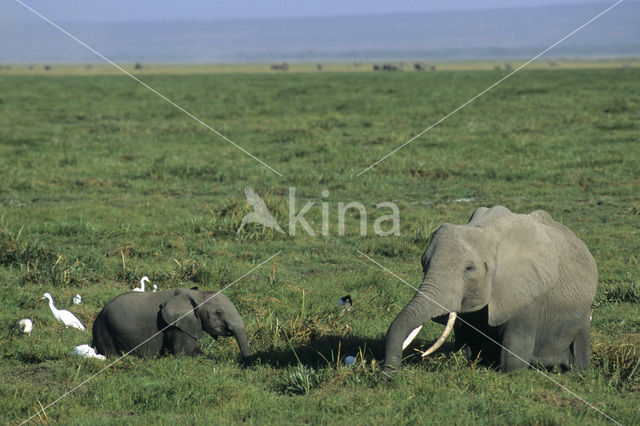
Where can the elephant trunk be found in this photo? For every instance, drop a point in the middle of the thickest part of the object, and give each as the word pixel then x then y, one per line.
pixel 240 333
pixel 417 312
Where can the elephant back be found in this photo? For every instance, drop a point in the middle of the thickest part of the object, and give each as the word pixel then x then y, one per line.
pixel 577 266
pixel 484 216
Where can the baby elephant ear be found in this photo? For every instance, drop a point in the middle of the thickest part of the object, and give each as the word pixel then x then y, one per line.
pixel 180 312
pixel 527 267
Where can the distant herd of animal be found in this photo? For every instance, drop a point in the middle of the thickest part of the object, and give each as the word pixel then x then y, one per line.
pixel 418 66
pixel 516 290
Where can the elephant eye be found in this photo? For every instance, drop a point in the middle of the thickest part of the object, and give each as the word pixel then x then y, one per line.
pixel 219 313
pixel 469 268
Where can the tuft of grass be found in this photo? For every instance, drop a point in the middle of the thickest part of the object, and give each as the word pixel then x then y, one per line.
pixel 38 264
pixel 619 292
pixel 620 361
pixel 300 380
pixel 15 252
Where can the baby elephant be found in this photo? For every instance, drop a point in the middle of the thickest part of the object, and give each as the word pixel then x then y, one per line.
pixel 150 323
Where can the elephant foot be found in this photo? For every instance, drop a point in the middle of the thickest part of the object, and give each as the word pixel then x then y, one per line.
pixel 248 361
pixel 389 373
pixel 465 351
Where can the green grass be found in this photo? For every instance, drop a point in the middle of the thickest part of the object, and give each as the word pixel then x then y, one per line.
pixel 103 182
pixel 305 67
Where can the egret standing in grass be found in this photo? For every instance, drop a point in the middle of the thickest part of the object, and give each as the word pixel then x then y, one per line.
pixel 155 288
pixel 66 317
pixel 77 299
pixel 142 281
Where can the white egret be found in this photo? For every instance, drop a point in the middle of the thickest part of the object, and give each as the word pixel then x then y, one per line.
pixel 141 288
pixel 77 299
pixel 86 351
pixel 66 317
pixel 24 326
pixel 155 288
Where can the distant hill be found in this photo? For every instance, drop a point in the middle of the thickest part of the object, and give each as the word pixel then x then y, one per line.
pixel 467 35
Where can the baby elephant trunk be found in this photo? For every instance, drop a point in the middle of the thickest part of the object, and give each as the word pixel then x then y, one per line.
pixel 239 331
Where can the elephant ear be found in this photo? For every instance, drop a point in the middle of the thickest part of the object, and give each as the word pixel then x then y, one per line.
pixel 526 268
pixel 180 311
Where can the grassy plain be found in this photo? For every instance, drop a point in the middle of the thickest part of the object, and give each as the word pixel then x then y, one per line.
pixel 304 67
pixel 103 182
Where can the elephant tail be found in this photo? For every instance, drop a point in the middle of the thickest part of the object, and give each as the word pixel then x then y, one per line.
pixel 102 338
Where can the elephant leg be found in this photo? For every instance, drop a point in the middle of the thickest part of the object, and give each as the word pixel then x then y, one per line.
pixel 461 339
pixel 178 342
pixel 461 335
pixel 581 348
pixel 518 343
pixel 464 339
pixel 471 331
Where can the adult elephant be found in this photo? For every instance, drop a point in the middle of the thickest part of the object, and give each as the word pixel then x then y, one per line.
pixel 150 323
pixel 525 281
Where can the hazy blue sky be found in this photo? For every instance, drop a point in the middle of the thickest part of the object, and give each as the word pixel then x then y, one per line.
pixel 153 10
pixel 325 30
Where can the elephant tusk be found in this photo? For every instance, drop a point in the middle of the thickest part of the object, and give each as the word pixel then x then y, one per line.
pixel 445 334
pixel 410 337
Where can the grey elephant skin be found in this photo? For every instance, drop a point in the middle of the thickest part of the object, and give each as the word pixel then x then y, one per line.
pixel 166 321
pixel 526 281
